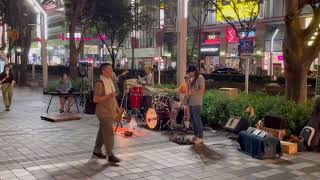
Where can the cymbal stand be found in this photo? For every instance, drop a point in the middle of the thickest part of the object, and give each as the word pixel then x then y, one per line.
pixel 124 99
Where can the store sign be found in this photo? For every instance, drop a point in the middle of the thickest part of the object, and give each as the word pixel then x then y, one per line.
pixel 212 38
pixel 227 8
pixel 231 35
pixel 246 47
pixel 213 50
pixel 280 58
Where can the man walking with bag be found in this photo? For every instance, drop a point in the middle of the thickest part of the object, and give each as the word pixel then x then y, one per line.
pixel 106 110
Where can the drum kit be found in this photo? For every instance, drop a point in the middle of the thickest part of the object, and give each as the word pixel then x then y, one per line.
pixel 164 108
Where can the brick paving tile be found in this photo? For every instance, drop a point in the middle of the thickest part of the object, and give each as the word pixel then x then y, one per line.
pixel 31 148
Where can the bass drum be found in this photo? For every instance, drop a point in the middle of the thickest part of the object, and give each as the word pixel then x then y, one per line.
pixel 151 118
pixel 157 117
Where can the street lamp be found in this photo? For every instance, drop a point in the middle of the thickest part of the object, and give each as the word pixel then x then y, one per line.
pixel 271 52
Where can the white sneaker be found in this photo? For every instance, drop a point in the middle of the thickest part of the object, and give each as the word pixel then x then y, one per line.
pixel 198 141
pixel 193 138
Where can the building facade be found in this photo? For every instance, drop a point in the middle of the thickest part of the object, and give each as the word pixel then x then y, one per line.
pixel 219 45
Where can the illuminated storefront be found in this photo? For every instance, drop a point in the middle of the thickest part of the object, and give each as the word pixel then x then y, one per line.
pixel 210 51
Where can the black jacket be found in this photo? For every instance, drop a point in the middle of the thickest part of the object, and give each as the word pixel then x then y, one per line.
pixel 8 80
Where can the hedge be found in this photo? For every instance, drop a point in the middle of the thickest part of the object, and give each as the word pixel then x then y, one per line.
pixel 167 76
pixel 218 108
pixel 76 84
pixel 239 78
pixel 310 80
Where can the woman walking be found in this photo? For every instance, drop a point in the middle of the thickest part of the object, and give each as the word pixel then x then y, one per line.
pixel 196 92
pixel 7 81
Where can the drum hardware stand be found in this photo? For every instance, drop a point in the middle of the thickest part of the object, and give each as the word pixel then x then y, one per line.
pixel 124 98
pixel 167 123
pixel 135 113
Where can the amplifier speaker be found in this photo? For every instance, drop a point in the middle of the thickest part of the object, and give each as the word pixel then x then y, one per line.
pixel 275 122
pixel 236 124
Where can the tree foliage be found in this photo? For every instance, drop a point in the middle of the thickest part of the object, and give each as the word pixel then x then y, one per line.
pixel 79 14
pixel 199 10
pixel 113 19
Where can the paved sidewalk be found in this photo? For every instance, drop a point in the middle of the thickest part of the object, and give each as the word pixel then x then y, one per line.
pixel 31 148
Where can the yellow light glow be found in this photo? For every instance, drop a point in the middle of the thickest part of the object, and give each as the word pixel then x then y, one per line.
pixel 310 43
pixel 244 10
pixel 307 22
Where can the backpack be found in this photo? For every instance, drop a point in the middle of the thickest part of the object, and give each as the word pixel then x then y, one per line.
pixel 90 106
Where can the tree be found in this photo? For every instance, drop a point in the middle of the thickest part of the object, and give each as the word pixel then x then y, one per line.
pixel 79 14
pixel 301 47
pixel 113 21
pixel 141 19
pixel 199 10
pixel 20 16
pixel 242 14
pixel 3 19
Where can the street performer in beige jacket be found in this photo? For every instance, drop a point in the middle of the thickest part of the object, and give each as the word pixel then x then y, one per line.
pixel 106 110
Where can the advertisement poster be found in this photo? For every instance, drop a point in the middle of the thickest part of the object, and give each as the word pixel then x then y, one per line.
pixel 246 47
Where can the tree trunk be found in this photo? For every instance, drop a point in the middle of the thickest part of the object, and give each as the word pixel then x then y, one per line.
pixel 199 46
pixel 3 36
pixel 113 59
pixel 73 50
pixel 25 46
pixel 296 81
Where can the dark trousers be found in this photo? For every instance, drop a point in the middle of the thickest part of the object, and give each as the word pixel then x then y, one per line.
pixel 196 121
pixel 105 136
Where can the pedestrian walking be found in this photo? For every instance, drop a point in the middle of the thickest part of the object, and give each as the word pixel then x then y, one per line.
pixel 195 101
pixel 7 80
pixel 106 110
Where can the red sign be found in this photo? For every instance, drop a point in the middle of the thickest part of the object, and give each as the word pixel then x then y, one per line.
pixel 212 38
pixel 231 35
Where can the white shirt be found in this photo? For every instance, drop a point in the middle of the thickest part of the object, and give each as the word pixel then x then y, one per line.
pixel 108 85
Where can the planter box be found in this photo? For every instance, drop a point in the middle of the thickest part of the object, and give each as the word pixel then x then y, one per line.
pixel 289 148
pixel 231 92
pixel 274 132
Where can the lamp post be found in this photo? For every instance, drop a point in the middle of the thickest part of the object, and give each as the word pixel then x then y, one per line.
pixel 44 35
pixel 271 52
pixel 182 22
